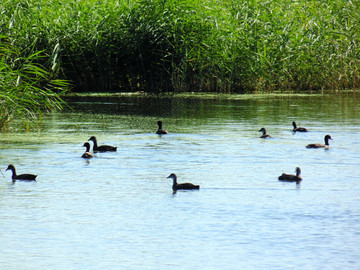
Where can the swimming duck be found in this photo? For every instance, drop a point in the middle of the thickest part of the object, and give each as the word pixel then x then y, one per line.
pixel 320 145
pixel 160 130
pixel 298 129
pixel 101 148
pixel 177 186
pixel 290 177
pixel 23 177
pixel 87 153
pixel 263 130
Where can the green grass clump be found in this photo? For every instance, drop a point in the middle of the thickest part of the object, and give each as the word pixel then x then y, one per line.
pixel 181 45
pixel 26 88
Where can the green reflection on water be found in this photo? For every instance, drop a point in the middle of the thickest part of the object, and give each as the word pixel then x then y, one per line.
pixel 134 115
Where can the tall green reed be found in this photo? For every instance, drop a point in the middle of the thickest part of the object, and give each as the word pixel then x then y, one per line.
pixel 26 87
pixel 183 45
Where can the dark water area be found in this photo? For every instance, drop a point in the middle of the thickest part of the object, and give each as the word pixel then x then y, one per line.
pixel 118 211
pixel 247 107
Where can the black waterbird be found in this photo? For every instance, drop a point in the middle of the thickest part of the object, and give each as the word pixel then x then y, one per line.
pixel 23 177
pixel 87 153
pixel 290 177
pixel 177 186
pixel 320 145
pixel 101 148
pixel 298 129
pixel 160 130
pixel 263 130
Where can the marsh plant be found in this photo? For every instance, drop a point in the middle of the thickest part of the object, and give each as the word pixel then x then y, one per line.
pixel 26 87
pixel 182 45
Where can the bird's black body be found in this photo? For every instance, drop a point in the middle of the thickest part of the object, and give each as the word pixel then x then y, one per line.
pixel 160 130
pixel 186 186
pixel 290 177
pixel 320 145
pixel 22 177
pixel 87 153
pixel 263 130
pixel 298 129
pixel 101 148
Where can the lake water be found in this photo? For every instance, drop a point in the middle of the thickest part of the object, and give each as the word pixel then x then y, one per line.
pixel 118 211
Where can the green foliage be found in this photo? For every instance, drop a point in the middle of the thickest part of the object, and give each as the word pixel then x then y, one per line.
pixel 26 88
pixel 182 45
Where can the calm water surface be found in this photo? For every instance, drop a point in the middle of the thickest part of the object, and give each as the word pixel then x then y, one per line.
pixel 117 211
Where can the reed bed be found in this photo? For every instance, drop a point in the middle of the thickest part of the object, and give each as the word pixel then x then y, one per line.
pixel 182 45
pixel 27 89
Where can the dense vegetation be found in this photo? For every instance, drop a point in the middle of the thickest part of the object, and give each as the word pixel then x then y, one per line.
pixel 26 87
pixel 185 45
